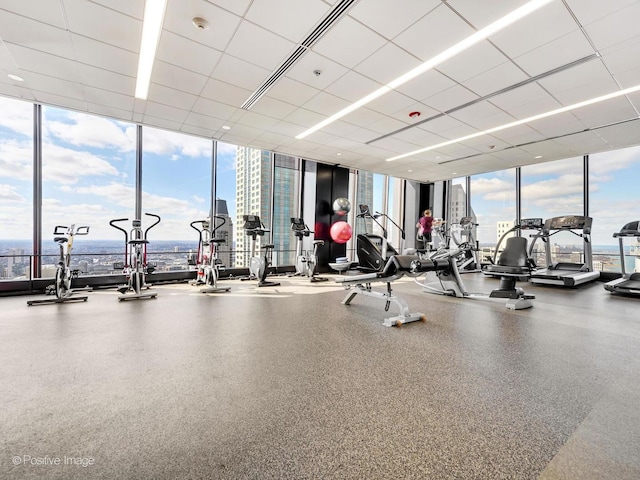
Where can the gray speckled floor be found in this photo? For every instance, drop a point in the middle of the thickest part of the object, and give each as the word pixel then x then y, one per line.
pixel 287 383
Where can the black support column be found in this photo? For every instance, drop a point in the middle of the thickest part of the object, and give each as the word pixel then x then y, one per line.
pixel 331 182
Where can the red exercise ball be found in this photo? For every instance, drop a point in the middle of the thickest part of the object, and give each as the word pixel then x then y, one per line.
pixel 341 232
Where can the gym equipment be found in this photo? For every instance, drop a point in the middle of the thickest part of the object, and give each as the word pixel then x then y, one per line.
pixel 306 265
pixel 207 263
pixel 341 206
pixel 525 224
pixel 373 250
pixel 258 265
pixel 628 283
pixel 341 232
pixel 396 267
pixel 566 274
pixel 468 263
pixel 135 267
pixel 63 236
pixel 513 263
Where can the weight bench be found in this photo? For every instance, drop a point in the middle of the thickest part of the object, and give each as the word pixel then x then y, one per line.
pixel 396 267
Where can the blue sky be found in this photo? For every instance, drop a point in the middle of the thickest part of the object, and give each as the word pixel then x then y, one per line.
pixel 89 176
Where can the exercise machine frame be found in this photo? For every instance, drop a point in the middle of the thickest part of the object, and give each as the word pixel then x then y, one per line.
pixel 207 266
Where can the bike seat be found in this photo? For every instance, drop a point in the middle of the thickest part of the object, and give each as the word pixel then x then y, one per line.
pixel 217 240
pixel 60 239
pixel 138 242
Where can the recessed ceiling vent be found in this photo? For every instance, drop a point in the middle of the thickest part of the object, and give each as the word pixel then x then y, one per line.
pixel 325 24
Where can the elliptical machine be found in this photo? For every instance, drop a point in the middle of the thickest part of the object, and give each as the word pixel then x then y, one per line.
pixel 258 265
pixel 306 265
pixel 135 267
pixel 207 263
pixel 373 250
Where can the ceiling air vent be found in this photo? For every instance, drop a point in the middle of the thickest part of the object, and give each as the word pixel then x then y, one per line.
pixel 325 24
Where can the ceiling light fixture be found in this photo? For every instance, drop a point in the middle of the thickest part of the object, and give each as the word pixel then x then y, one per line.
pixel 459 47
pixel 551 113
pixel 15 77
pixel 151 28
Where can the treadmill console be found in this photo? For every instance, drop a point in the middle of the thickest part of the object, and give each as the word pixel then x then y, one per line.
pixel 251 223
pixel 631 229
pixel 298 225
pixel 569 222
pixel 466 221
pixel 531 223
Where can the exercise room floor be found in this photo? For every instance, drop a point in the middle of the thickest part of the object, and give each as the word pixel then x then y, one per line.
pixel 288 383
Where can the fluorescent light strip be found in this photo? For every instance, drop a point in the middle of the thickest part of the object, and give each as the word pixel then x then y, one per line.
pixel 520 122
pixel 151 28
pixel 433 62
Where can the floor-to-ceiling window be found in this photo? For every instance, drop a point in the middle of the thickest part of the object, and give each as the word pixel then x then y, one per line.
pixel 493 201
pixel 176 185
pixel 554 189
pixel 226 200
pixel 286 204
pixel 16 188
pixel 614 196
pixel 88 178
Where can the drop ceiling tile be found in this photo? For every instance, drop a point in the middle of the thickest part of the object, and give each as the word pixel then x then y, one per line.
pixel 616 27
pixel 200 59
pixel 222 22
pixel 252 119
pixel 616 58
pixel 612 111
pixel 560 124
pixel 386 18
pixel 387 64
pixel 22 31
pixel 103 24
pixel 104 97
pixel 546 24
pixel 472 62
pixel 223 92
pixel 273 108
pixel 450 98
pixel 198 131
pixel 16 91
pixel 482 116
pixel 622 135
pixel 325 104
pixel 583 82
pixel 105 79
pixel 518 135
pixel 304 118
pixel 525 101
pixel 290 130
pixel 240 73
pixel 341 129
pixel 418 136
pixel 353 87
pixel 215 109
pixel 424 111
pixel 46 12
pixel 178 79
pixel 588 11
pixel 448 127
pixel 391 103
pixel 426 85
pixel 348 42
pixel 433 33
pixel 133 8
pixel 303 70
pixel 258 46
pixel 169 96
pixel 502 76
pixel 374 121
pixel 105 56
pixel 556 53
pixel 109 111
pixel 203 121
pixel 290 91
pixel 60 100
pixel 362 135
pixel 44 63
pixel 158 110
pixel 43 83
pixel 276 15
pixel 582 143
pixel 162 123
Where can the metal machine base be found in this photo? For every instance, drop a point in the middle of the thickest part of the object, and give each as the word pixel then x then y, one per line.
pixel 50 301
pixel 137 296
pixel 404 317
pixel 215 289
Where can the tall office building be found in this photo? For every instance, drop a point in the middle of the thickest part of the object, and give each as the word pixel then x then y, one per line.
pixel 225 230
pixel 253 187
pixel 286 180
pixel 364 196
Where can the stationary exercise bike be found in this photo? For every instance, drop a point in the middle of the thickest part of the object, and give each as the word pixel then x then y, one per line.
pixel 306 265
pixel 63 236
pixel 207 258
pixel 258 265
pixel 135 267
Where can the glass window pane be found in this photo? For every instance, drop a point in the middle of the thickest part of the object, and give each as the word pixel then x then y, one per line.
pixel 88 178
pixel 286 204
pixel 16 188
pixel 176 184
pixel 554 189
pixel 613 202
pixel 226 201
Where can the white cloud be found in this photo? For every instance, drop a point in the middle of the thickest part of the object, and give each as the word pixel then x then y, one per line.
pixel 63 165
pixel 16 160
pixel 17 116
pixel 90 131
pixel 197 199
pixel 227 149
pixel 8 193
pixel 164 142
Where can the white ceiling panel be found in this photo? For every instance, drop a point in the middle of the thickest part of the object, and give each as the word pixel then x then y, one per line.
pixel 502 76
pixel 133 8
pixel 41 62
pixel 238 72
pixel 169 96
pixel 104 97
pixel 560 124
pixel 44 83
pixel 214 109
pixel 34 34
pixel 426 85
pixel 518 135
pixel 73 103
pixel 623 135
pixel 158 110
pixel 109 111
pixel 204 122
pixel 187 54
pixel 291 91
pixel 434 33
pixel 222 23
pixel 162 123
pixel 325 104
pixel 387 64
pixel 450 98
pixel 106 80
pixel 586 81
pixel 269 14
pixel 349 43
pixel 103 24
pixel 616 27
pixel 304 70
pixel 472 62
pixel 556 53
pixel 252 119
pixel 177 78
pixel 259 46
pixel 385 125
pixel 612 111
pixel 194 130
pixel 423 110
pixel 223 92
pixel 239 7
pixel 616 59
pixel 353 87
pixel 482 116
pixel 273 108
pixel 46 12
pixel 392 103
pixel 13 89
pixel 107 57
pixel 418 136
pixel 448 127
pixel 389 20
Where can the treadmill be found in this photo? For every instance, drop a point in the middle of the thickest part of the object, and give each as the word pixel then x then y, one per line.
pixel 628 283
pixel 566 274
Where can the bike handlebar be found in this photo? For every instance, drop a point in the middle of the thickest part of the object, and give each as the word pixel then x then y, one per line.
pixel 157 217
pixel 84 230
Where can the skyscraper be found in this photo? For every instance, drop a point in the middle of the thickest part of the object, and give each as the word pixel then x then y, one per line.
pixel 225 230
